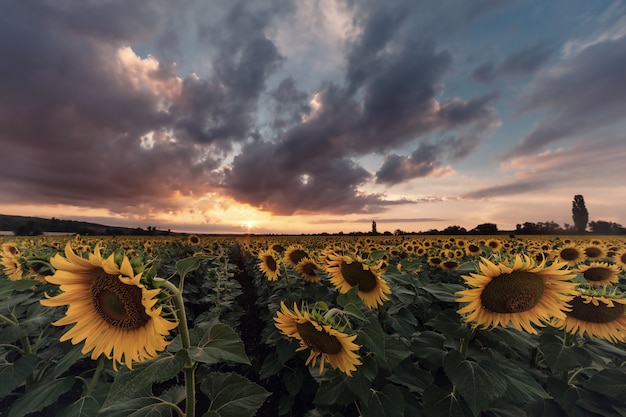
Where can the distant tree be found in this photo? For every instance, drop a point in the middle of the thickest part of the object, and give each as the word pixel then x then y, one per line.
pixel 374 231
pixel 454 230
pixel 528 228
pixel 602 227
pixel 30 228
pixel 580 213
pixel 549 227
pixel 485 229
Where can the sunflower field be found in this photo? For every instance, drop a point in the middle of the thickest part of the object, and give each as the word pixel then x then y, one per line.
pixel 341 326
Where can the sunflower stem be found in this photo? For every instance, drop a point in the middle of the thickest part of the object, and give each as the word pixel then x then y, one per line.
pixel 287 278
pixel 27 347
pixel 7 320
pixel 95 377
pixel 465 343
pixel 576 372
pixel 185 340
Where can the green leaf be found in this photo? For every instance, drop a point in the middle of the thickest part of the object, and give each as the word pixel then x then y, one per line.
pixel 220 344
pixel 439 403
pixel 443 291
pixel 360 386
pixel 402 320
pixel 522 388
pixel 233 395
pixel 128 383
pixel 412 378
pixel 334 391
pixel 8 287
pixel 386 403
pixel 609 382
pixel 479 383
pixel 185 266
pixel 293 380
pixel 43 395
pixel 470 266
pixel 137 407
pixel 559 357
pixel 395 351
pixel 12 333
pixel 271 366
pixel 68 359
pixel 372 336
pixel 14 375
pixel 449 323
pixel 352 303
pixel 428 346
pixel 83 407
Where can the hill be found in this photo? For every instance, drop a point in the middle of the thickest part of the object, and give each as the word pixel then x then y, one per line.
pixel 31 226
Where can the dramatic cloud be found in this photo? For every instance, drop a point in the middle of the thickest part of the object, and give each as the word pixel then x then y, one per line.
pixel 388 101
pixel 293 107
pixel 520 63
pixel 585 94
pixel 101 125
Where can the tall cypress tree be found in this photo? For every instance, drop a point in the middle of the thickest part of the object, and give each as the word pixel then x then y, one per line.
pixel 579 213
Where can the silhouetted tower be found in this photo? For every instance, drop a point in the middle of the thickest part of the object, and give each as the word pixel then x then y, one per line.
pixel 374 227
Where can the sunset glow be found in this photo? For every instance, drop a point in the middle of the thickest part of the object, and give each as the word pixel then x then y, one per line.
pixel 310 117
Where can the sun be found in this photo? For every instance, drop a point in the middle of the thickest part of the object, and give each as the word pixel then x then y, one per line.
pixel 249 225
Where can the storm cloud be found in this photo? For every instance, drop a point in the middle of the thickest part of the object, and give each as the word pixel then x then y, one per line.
pixel 129 106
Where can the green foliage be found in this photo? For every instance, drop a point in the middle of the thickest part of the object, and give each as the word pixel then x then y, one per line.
pixel 418 357
pixel 232 395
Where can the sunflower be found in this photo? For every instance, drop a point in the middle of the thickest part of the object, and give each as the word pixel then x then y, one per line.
pixel 594 252
pixel 346 273
pixel 193 239
pixel 278 248
pixel 449 264
pixel 570 254
pixel 294 254
pixel 524 293
pixel 12 266
pixel 597 316
pixel 494 244
pixel 114 312
pixel 269 264
pixel 306 267
pixel 620 258
pixel 434 261
pixel 10 248
pixel 323 338
pixel 472 249
pixel 599 273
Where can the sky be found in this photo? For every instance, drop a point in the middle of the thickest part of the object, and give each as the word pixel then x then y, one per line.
pixel 309 116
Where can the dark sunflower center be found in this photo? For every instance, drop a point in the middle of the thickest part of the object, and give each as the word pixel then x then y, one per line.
pixel 590 313
pixel 318 340
pixel 355 274
pixel 570 254
pixel 450 264
pixel 513 293
pixel 278 248
pixel 297 255
pixel 271 263
pixel 597 274
pixel 622 258
pixel 117 303
pixel 309 268
pixel 435 261
pixel 592 252
pixel 473 248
